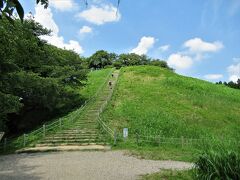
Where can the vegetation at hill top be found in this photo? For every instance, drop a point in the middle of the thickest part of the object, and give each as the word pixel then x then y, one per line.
pixel 231 84
pixel 155 101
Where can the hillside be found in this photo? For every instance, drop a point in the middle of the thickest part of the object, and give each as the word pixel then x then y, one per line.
pixel 155 101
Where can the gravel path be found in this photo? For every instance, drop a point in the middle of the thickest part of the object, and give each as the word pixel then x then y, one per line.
pixel 110 165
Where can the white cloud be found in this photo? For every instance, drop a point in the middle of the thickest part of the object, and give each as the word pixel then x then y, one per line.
pixel 197 45
pixel 234 72
pixel 179 61
pixel 144 45
pixel 45 17
pixel 164 48
pixel 100 15
pixel 234 78
pixel 213 76
pixel 85 30
pixel 62 5
pixel 236 59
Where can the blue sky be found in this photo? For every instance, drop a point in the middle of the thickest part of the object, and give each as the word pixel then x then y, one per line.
pixel 199 38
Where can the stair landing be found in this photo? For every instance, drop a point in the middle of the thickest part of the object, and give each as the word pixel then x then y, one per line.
pixel 93 147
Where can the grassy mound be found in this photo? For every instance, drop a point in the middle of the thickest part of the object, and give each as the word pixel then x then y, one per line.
pixel 156 101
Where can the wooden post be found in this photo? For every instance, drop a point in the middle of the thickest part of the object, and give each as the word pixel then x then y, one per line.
pixel 5 144
pixel 24 140
pixel 137 138
pixel 182 138
pixel 115 137
pixel 44 130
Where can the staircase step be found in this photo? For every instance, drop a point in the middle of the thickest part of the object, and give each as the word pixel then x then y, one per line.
pixel 79 130
pixel 90 131
pixel 93 110
pixel 87 126
pixel 70 141
pixel 83 131
pixel 70 144
pixel 86 122
pixel 73 137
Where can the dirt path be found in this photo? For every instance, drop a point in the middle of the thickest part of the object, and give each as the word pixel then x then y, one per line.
pixel 110 165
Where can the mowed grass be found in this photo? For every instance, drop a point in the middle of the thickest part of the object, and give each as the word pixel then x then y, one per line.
pixel 157 102
pixel 169 175
pixel 94 81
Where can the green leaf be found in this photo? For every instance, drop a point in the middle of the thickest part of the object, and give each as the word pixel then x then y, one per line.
pixel 9 18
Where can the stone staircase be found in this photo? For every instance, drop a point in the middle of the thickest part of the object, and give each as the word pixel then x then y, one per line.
pixel 85 131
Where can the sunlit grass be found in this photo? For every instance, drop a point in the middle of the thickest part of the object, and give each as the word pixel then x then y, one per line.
pixel 170 175
pixel 153 101
pixel 95 80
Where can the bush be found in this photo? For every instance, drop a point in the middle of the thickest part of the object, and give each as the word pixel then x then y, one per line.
pixel 221 164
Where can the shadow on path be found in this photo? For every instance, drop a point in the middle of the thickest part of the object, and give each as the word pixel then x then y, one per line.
pixel 14 167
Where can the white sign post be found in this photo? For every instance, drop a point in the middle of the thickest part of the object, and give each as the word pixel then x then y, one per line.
pixel 125 133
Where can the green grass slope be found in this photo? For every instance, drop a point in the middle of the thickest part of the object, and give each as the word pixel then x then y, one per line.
pixel 94 81
pixel 156 101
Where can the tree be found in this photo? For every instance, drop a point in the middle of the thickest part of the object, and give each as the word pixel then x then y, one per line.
pixel 38 81
pixel 100 59
pixel 231 84
pixel 7 8
pixel 157 62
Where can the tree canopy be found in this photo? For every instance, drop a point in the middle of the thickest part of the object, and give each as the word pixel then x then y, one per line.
pixel 7 8
pixel 102 59
pixel 231 84
pixel 37 80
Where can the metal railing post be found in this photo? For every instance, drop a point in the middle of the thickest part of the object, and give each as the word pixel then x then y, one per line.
pixel 24 140
pixel 60 124
pixel 44 130
pixel 5 144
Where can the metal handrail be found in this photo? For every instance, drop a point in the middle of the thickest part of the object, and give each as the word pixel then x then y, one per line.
pixel 100 121
pixel 57 122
